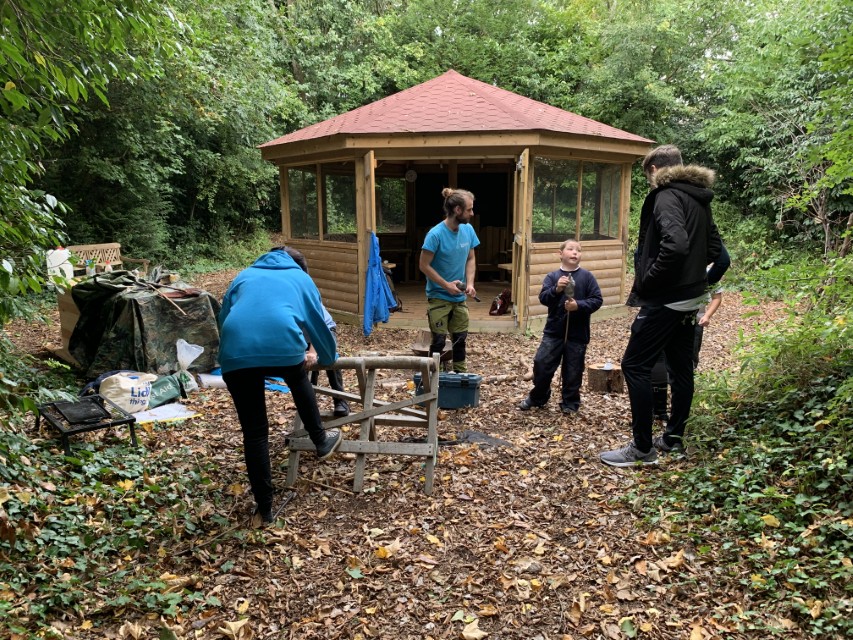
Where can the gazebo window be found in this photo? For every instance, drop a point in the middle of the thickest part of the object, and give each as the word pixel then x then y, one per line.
pixel 575 199
pixel 339 213
pixel 555 199
pixel 390 205
pixel 302 198
pixel 600 199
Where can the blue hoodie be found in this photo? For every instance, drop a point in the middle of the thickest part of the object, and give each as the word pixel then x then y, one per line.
pixel 269 314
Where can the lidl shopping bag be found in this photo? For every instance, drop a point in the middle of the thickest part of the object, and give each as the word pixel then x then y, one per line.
pixel 130 390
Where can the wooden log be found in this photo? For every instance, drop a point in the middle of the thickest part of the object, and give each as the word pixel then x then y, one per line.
pixel 602 380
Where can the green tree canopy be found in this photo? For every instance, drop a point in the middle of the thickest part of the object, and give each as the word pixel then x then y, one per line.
pixel 53 55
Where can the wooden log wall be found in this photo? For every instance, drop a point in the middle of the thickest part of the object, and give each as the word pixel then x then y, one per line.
pixel 604 258
pixel 334 268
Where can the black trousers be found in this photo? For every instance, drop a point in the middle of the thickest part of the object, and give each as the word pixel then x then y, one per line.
pixel 336 378
pixel 247 389
pixel 553 352
pixel 656 330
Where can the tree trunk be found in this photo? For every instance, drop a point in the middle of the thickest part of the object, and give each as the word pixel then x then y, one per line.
pixel 602 380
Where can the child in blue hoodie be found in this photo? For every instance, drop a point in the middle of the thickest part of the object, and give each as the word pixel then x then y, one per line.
pixel 270 313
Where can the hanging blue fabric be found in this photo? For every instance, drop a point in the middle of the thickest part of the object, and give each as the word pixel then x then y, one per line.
pixel 378 297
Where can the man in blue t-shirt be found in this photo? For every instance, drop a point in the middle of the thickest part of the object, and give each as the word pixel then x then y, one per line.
pixel 448 262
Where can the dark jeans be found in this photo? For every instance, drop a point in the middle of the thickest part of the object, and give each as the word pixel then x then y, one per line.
pixel 697 344
pixel 336 379
pixel 247 390
pixel 336 382
pixel 656 330
pixel 551 352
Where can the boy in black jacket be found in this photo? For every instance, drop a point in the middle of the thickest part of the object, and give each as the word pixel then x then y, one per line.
pixel 572 295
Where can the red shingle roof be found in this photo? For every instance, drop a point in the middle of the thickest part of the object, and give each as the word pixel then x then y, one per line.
pixel 453 103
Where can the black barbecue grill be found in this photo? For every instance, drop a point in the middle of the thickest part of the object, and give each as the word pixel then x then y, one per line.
pixel 86 414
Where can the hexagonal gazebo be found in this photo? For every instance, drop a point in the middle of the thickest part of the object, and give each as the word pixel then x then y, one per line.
pixel 540 175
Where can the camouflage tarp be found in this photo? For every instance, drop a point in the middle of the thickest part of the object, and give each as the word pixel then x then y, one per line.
pixel 126 322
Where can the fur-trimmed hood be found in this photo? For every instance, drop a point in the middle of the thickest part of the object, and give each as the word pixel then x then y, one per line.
pixel 692 173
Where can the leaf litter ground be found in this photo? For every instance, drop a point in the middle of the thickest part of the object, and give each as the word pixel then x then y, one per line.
pixel 529 540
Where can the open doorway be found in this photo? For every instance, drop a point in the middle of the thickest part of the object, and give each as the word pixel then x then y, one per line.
pixel 492 214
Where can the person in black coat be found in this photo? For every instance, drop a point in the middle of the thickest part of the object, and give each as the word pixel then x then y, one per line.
pixel 677 241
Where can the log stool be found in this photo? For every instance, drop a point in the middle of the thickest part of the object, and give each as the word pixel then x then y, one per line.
pixel 603 380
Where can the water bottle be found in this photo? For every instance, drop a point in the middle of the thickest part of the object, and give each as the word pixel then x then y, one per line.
pixel 90 267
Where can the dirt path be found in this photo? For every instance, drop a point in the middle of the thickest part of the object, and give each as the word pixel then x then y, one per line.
pixel 523 541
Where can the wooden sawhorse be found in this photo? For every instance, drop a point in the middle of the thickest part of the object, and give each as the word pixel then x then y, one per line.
pixel 378 413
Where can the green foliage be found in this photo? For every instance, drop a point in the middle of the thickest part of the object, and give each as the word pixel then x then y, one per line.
pixel 225 253
pixel 771 486
pixel 343 54
pixel 53 55
pixel 767 122
pixel 172 162
pixel 650 64
pixel 837 61
pixel 81 523
pixel 763 263
pixel 26 382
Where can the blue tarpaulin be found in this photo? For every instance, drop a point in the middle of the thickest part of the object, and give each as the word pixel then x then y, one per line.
pixel 378 297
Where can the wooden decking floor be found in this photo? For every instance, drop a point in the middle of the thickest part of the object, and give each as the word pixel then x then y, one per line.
pixel 413 314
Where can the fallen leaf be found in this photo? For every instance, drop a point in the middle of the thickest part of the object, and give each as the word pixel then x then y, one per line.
pixel 575 613
pixel 472 631
pixel 627 627
pixel 674 561
pixel 232 629
pixel 389 550
pixel 816 609
pixel 770 520
pixel 131 629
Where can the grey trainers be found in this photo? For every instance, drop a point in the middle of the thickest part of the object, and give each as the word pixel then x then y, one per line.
pixel 629 456
pixel 527 405
pixel 663 447
pixel 333 439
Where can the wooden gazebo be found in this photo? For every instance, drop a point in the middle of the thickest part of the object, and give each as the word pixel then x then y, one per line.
pixel 540 175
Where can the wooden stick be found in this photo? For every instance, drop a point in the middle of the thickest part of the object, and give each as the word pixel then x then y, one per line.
pixel 327 486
